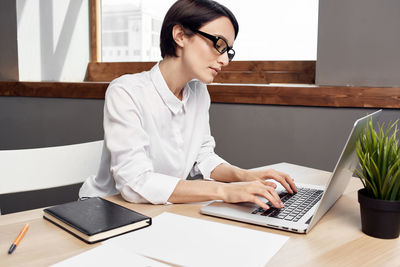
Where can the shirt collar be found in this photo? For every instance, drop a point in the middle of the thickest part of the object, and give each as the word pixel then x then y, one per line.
pixel 170 100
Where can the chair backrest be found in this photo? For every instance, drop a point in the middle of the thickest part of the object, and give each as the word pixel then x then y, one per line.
pixel 42 168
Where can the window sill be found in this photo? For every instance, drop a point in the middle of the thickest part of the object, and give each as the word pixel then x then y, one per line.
pixel 273 94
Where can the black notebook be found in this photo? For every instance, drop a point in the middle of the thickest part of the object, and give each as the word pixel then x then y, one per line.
pixel 95 219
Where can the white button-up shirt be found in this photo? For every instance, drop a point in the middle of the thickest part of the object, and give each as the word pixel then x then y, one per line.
pixel 152 139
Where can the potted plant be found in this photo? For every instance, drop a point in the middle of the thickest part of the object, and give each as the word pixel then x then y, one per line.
pixel 378 152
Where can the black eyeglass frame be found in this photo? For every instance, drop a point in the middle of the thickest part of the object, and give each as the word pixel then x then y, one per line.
pixel 215 40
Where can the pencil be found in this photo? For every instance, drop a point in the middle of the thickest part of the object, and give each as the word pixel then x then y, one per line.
pixel 18 239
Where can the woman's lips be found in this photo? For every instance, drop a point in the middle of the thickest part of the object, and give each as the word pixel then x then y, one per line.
pixel 215 70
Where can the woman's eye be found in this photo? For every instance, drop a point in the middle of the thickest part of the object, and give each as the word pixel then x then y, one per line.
pixel 221 46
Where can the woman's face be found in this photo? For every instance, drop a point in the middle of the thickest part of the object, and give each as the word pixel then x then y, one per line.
pixel 199 54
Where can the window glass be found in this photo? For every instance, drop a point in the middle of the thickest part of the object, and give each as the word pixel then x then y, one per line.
pixel 268 29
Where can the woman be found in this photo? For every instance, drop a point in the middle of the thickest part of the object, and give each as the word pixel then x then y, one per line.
pixel 157 127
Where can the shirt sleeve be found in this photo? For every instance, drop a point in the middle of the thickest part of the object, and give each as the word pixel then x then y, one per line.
pixel 207 160
pixel 128 143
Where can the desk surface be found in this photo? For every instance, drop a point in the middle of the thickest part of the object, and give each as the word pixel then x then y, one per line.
pixel 335 241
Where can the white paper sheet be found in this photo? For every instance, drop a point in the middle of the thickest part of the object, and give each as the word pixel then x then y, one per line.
pixel 108 255
pixel 188 241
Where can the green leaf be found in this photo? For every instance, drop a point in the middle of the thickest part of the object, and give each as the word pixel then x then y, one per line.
pixel 377 175
pixel 396 192
pixel 360 176
pixel 394 181
pixel 387 179
pixel 378 154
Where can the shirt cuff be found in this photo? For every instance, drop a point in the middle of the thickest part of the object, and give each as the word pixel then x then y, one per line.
pixel 156 188
pixel 209 164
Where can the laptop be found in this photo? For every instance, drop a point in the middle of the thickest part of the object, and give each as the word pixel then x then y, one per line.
pixel 306 207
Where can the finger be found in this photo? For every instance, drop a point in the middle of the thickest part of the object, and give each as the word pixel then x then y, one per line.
pixel 282 180
pixel 287 186
pixel 273 198
pixel 290 181
pixel 260 203
pixel 269 193
pixel 292 184
pixel 271 184
pixel 274 194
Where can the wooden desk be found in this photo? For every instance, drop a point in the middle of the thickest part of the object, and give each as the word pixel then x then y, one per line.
pixel 335 241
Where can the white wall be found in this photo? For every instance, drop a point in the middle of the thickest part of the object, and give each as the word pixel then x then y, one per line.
pixel 53 39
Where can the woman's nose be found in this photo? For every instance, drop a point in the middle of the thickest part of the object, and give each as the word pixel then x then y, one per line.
pixel 223 59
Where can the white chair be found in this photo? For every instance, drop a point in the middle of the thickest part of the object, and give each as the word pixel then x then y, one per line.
pixel 29 170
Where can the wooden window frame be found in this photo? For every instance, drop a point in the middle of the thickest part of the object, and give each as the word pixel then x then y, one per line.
pixel 251 82
pixel 241 72
pixel 95 30
pixel 260 74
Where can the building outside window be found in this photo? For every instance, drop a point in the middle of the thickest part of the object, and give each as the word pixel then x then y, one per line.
pixel 269 29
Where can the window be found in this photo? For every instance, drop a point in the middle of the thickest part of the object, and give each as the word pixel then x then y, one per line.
pixel 111 39
pixel 133 25
pixel 156 25
pixel 275 30
pixel 269 30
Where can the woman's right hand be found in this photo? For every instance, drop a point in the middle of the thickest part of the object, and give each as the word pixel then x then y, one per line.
pixel 249 192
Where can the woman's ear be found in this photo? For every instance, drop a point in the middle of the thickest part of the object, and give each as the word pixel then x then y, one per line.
pixel 178 34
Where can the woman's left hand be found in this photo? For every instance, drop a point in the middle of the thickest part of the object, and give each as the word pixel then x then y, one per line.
pixel 284 179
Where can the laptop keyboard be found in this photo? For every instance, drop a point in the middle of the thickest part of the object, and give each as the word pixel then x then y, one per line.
pixel 296 205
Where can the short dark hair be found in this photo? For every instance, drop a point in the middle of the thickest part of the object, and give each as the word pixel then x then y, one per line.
pixel 191 15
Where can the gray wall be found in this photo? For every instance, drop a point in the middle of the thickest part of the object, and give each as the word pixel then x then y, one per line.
pixel 246 135
pixel 255 135
pixel 8 43
pixel 358 43
pixel 30 122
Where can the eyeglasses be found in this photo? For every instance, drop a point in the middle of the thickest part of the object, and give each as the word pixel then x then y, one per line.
pixel 219 44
